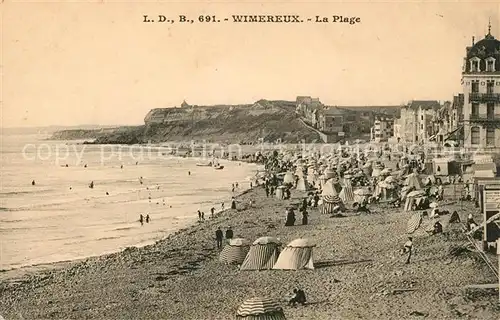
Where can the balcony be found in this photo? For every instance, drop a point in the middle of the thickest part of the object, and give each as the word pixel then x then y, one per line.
pixel 484 118
pixel 484 97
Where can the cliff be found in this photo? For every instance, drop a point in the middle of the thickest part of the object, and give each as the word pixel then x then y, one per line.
pixel 270 120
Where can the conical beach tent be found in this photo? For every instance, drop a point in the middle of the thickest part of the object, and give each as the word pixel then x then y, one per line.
pixel 302 184
pixel 235 252
pixel 412 180
pixel 298 254
pixel 260 309
pixel 262 254
pixel 329 188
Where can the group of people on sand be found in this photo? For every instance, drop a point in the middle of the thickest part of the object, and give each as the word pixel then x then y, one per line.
pixel 142 219
pixel 219 236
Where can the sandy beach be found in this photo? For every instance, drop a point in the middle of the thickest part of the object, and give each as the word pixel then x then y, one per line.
pixel 359 273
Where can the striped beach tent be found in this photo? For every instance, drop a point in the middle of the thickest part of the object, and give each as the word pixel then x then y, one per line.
pixel 330 202
pixel 414 197
pixel 413 223
pixel 260 309
pixel 347 193
pixel 235 252
pixel 298 254
pixel 262 254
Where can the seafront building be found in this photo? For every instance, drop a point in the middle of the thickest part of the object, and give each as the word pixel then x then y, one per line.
pixel 481 91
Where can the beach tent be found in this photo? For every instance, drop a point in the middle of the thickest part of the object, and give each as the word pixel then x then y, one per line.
pixel 280 192
pixel 414 197
pixel 260 309
pixel 235 252
pixel 347 194
pixel 298 254
pixel 331 187
pixel 413 223
pixel 262 254
pixel 413 181
pixel 288 178
pixel 302 184
pixel 385 190
pixel 330 202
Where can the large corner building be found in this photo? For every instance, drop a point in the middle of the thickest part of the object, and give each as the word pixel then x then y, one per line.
pixel 481 88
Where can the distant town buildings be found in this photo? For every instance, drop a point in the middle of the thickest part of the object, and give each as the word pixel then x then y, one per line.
pixel 481 93
pixel 415 124
pixel 383 129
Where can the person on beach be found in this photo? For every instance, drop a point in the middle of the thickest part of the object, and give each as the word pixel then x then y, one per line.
pixel 147 218
pixel 218 237
pixel 199 215
pixel 141 219
pixel 304 217
pixel 233 203
pixel 408 248
pixel 236 185
pixel 267 191
pixel 290 218
pixel 251 185
pixel 212 212
pixel 316 199
pixel 189 173
pixel 229 233
pixel 91 185
pixel 202 216
pixel 438 228
pixel 222 206
pixel 33 182
pixel 298 296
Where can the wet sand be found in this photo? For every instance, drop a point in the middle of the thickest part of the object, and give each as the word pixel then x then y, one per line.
pixel 359 273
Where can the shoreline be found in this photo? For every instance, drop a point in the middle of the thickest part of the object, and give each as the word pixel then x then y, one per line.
pixel 15 273
pixel 180 276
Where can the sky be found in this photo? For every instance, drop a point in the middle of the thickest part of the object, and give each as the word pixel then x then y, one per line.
pixel 99 63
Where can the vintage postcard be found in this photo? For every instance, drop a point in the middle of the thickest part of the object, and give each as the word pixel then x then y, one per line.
pixel 249 160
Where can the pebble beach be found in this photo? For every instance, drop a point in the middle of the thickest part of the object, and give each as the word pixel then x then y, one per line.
pixel 359 272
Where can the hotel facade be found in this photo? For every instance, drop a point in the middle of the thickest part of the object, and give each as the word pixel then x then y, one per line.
pixel 481 92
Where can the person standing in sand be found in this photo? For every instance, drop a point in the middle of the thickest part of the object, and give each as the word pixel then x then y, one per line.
pixel 408 248
pixel 147 218
pixel 212 211
pixel 229 233
pixel 199 215
pixel 141 219
pixel 218 237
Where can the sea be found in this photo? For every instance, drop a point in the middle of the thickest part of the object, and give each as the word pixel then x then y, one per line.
pixel 60 218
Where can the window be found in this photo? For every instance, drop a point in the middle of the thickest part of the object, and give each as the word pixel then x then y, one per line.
pixel 490 87
pixel 490 136
pixel 490 64
pixel 475 110
pixel 475 87
pixel 474 65
pixel 490 110
pixel 474 135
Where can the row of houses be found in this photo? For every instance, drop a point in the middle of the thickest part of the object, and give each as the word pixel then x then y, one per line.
pixel 339 121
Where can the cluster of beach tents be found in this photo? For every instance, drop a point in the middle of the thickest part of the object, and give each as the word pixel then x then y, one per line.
pixel 264 254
